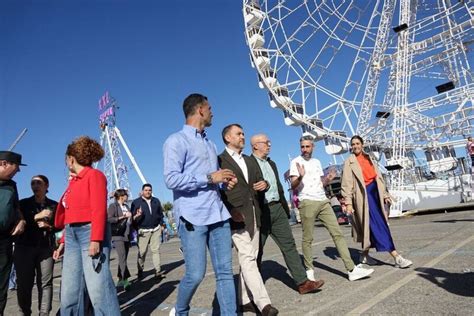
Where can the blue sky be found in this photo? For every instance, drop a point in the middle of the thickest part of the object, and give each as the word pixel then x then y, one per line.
pixel 58 57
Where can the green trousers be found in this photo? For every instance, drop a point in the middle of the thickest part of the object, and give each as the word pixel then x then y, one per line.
pixel 274 223
pixel 322 210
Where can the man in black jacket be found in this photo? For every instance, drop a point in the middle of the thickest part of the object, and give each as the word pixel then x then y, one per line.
pixel 275 214
pixel 148 218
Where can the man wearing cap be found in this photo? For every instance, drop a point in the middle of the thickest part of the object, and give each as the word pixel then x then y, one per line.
pixel 11 220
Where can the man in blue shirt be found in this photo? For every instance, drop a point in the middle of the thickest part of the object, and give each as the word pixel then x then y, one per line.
pixel 192 172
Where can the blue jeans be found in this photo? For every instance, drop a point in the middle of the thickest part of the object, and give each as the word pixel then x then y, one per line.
pixel 217 238
pixel 78 269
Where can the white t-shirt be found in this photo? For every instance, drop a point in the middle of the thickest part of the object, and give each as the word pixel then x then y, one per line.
pixel 311 186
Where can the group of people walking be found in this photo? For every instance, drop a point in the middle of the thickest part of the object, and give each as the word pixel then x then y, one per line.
pixel 220 200
pixel 239 198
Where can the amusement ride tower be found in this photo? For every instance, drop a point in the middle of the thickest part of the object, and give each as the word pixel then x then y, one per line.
pixel 110 139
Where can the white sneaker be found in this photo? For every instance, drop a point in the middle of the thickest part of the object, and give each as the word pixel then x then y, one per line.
pixel 172 312
pixel 310 275
pixel 402 263
pixel 367 260
pixel 359 272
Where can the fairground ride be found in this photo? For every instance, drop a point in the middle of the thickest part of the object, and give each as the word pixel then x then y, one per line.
pixel 111 138
pixel 396 72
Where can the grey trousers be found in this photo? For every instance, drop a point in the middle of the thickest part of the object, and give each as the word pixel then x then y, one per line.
pixel 122 253
pixel 31 262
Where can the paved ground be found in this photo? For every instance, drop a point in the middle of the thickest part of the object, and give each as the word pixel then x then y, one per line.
pixel 440 282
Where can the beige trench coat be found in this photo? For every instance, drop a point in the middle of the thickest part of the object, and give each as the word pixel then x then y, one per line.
pixel 353 191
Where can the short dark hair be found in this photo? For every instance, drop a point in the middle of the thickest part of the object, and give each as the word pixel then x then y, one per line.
pixel 120 192
pixel 42 177
pixel 226 130
pixel 357 137
pixel 191 103
pixel 146 185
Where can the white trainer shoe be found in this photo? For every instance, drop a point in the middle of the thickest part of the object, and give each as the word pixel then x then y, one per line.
pixel 402 263
pixel 367 260
pixel 359 272
pixel 310 275
pixel 172 312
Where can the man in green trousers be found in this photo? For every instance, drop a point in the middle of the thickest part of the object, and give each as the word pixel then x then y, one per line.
pixel 274 218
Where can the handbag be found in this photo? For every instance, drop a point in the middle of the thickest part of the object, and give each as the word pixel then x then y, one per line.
pixel 119 228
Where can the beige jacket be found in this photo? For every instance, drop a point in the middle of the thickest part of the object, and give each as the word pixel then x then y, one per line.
pixel 354 193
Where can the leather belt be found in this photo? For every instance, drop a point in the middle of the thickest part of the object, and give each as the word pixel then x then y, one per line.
pixel 273 203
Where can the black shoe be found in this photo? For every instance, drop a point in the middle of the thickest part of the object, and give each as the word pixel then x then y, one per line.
pixel 249 307
pixel 269 310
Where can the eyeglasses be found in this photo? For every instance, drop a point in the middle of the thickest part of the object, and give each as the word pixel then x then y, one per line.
pixel 269 143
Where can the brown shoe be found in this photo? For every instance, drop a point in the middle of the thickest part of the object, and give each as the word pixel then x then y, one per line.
pixel 269 310
pixel 310 286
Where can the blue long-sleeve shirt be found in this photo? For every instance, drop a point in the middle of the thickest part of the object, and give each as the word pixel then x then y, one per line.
pixel 188 158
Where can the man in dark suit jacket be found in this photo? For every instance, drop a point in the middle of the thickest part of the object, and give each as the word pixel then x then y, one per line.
pixel 275 214
pixel 243 203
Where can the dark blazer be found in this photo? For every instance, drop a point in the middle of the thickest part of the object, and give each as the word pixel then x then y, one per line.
pixel 114 211
pixel 243 198
pixel 281 193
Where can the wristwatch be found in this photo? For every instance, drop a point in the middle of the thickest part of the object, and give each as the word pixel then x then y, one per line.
pixel 209 179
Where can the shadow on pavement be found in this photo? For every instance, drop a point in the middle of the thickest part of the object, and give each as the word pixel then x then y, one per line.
pixel 332 253
pixel 146 304
pixel 457 283
pixel 272 269
pixel 450 221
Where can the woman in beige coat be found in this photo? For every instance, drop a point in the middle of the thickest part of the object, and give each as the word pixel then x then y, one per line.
pixel 364 193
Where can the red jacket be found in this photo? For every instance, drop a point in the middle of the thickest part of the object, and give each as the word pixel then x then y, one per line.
pixel 85 200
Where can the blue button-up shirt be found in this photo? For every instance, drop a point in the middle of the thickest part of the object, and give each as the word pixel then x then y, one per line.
pixel 188 158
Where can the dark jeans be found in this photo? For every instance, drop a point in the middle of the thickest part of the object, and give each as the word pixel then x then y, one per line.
pixel 6 260
pixel 275 223
pixel 31 262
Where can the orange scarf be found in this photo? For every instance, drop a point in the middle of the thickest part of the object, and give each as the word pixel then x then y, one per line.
pixel 368 169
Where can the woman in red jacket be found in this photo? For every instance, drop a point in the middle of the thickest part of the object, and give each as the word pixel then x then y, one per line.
pixel 82 211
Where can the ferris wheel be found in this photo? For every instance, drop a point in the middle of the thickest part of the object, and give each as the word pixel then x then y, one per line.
pixel 396 72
